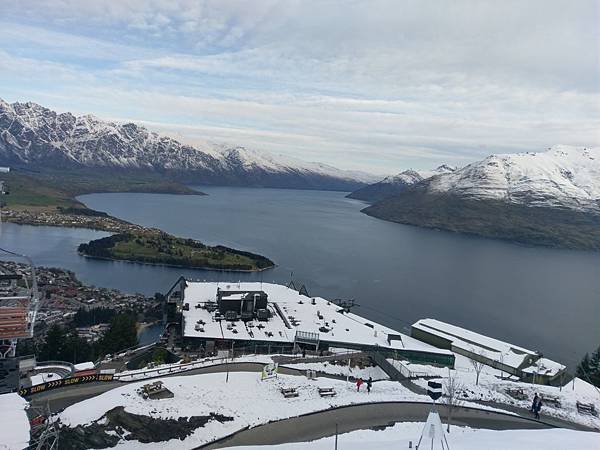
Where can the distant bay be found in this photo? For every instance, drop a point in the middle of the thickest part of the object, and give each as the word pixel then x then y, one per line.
pixel 543 299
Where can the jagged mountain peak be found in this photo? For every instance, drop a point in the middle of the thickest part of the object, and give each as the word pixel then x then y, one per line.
pixel 34 135
pixel 444 168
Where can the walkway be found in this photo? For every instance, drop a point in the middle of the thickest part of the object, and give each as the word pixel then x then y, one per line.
pixel 358 417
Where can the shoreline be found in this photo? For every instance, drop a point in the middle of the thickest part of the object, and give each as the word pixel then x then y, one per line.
pixel 108 224
pixel 180 266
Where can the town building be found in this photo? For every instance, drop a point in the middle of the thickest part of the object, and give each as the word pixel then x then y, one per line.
pixel 266 317
pixel 527 365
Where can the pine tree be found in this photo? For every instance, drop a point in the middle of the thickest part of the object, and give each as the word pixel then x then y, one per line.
pixel 589 368
pixel 122 334
pixel 53 347
pixel 594 368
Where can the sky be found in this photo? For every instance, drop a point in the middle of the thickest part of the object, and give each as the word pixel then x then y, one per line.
pixel 377 85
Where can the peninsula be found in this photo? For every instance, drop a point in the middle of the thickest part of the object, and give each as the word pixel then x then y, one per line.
pixel 40 200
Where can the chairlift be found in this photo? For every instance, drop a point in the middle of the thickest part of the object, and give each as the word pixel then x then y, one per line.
pixel 18 309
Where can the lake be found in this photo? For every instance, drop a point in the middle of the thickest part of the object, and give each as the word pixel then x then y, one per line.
pixel 543 299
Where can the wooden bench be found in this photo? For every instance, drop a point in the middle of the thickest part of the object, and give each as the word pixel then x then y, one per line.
pixel 327 392
pixel 552 400
pixel 289 392
pixel 517 393
pixel 586 408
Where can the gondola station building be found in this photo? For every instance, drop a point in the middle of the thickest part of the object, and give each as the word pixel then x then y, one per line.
pixel 269 318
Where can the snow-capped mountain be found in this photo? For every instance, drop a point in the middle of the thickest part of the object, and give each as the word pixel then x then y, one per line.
pixel 396 184
pixel 562 176
pixel 33 135
pixel 549 198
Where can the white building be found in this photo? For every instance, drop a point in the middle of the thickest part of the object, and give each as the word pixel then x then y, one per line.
pixel 270 317
pixel 526 364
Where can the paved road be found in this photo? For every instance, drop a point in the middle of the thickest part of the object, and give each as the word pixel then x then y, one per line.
pixel 358 417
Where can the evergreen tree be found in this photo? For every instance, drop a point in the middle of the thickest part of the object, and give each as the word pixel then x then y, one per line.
pixel 26 347
pixel 589 368
pixel 594 368
pixel 77 350
pixel 53 347
pixel 122 334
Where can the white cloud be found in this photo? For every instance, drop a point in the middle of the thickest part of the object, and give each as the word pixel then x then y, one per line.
pixel 378 85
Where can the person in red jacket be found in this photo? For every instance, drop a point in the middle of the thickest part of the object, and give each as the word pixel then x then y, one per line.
pixel 359 383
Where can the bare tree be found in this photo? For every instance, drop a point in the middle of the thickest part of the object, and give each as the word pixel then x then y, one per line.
pixel 452 390
pixel 477 365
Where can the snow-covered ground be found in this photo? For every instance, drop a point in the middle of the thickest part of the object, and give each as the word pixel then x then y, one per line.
pixel 244 397
pixel 492 388
pixel 14 425
pixel 336 369
pixel 460 438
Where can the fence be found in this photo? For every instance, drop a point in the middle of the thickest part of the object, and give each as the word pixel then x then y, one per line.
pixel 406 372
pixel 132 375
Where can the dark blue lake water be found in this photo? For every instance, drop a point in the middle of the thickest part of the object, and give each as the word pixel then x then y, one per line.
pixel 539 298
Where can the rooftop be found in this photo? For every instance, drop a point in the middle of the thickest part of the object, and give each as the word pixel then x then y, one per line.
pixel 290 312
pixel 493 349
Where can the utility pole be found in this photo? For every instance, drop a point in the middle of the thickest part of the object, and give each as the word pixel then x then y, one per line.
pixel 336 436
pixel 348 373
pixel 227 363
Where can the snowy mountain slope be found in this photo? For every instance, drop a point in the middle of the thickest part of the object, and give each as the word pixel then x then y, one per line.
pixel 396 184
pixel 563 176
pixel 550 198
pixel 33 135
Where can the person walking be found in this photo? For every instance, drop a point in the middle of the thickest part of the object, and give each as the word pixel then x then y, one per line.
pixel 369 385
pixel 538 408
pixel 534 404
pixel 359 383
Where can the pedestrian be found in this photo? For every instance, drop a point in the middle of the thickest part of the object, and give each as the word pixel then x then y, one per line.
pixel 534 404
pixel 538 408
pixel 359 383
pixel 304 353
pixel 369 385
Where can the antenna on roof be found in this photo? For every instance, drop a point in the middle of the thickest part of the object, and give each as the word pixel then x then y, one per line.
pixel 345 304
pixel 291 284
pixel 303 291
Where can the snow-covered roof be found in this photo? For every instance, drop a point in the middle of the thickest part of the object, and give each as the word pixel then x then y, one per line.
pixel 545 366
pixel 14 425
pixel 44 377
pixel 461 338
pixel 298 313
pixel 85 365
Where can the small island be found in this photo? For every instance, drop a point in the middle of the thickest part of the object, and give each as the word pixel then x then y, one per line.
pixel 158 247
pixel 49 199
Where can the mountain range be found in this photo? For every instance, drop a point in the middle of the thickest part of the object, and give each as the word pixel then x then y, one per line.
pixel 549 198
pixel 34 136
pixel 393 185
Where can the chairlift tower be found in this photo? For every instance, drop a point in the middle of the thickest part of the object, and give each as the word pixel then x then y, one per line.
pixel 44 428
pixel 20 302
